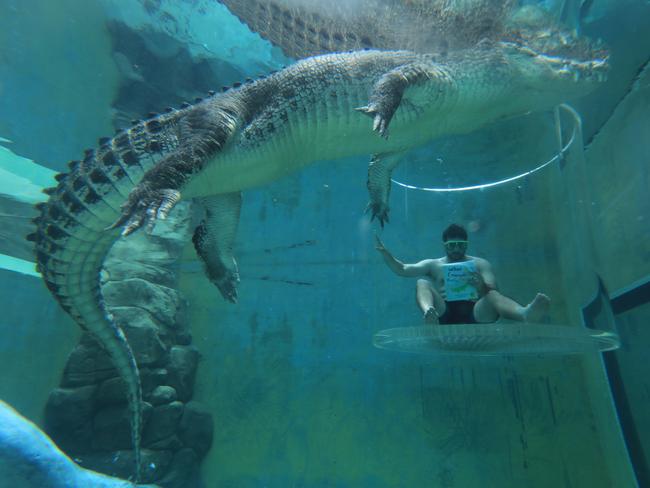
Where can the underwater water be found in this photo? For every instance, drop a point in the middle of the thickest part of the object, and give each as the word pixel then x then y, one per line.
pixel 544 166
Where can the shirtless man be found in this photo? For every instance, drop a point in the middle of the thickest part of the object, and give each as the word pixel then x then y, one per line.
pixel 431 295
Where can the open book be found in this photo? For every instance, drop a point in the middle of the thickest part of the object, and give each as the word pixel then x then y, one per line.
pixel 457 281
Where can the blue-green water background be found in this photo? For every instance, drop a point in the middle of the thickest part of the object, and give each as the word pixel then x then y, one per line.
pixel 299 396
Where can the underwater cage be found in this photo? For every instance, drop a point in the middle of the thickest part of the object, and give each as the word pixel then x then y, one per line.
pixel 323 373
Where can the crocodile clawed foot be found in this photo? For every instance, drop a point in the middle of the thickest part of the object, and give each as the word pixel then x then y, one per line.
pixel 227 285
pixel 147 208
pixel 379 121
pixel 378 210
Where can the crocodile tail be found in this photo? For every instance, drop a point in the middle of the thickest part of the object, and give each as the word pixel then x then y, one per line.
pixel 71 240
pixel 70 249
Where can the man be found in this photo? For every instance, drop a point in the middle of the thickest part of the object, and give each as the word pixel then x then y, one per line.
pixel 461 289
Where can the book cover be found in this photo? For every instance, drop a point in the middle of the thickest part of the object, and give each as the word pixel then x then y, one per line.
pixel 457 281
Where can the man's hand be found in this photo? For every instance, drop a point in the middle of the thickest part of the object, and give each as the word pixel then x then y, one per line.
pixel 477 281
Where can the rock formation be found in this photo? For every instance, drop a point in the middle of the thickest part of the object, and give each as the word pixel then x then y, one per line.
pixel 87 415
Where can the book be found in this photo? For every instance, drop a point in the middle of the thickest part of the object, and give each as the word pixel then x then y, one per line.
pixel 457 281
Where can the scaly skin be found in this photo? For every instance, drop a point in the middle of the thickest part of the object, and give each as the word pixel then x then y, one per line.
pixel 314 110
pixel 304 29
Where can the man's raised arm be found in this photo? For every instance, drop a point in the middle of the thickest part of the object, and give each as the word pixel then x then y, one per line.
pixel 399 268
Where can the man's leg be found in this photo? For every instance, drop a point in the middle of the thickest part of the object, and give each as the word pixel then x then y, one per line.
pixel 494 304
pixel 429 301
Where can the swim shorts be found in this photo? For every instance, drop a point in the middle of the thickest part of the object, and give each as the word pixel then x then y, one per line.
pixel 458 312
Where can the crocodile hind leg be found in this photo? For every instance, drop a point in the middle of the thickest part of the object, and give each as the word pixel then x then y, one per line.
pixel 204 133
pixel 214 238
pixel 379 173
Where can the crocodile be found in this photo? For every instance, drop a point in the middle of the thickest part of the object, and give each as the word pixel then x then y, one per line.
pixel 321 108
pixel 303 29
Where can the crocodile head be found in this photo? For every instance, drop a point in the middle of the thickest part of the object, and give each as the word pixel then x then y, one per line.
pixel 560 64
pixel 550 53
pixel 564 65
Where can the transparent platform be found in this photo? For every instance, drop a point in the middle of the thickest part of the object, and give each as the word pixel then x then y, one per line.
pixel 496 339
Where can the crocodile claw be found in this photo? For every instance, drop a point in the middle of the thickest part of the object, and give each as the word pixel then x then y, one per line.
pixel 379 122
pixel 137 210
pixel 379 211
pixel 227 285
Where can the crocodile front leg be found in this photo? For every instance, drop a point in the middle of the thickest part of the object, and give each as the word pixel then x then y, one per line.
pixel 379 173
pixel 389 90
pixel 214 239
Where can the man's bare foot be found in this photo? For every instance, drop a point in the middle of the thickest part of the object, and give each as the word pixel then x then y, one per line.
pixel 535 310
pixel 430 316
